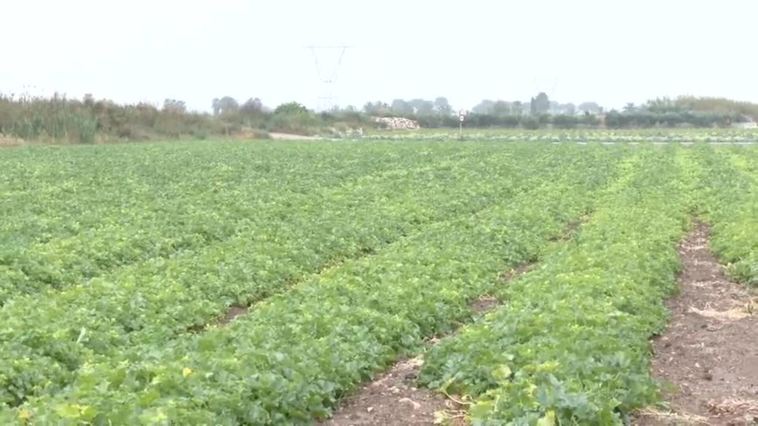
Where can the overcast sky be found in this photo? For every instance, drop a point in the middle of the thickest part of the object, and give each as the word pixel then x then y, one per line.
pixel 607 51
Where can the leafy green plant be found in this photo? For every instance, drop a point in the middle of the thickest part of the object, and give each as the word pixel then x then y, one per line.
pixel 730 203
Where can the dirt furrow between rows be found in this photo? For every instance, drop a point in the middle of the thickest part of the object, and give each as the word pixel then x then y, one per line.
pixel 707 359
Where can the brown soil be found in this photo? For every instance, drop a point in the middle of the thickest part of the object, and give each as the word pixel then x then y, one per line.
pixel 517 271
pixel 707 359
pixel 230 315
pixel 571 228
pixel 486 302
pixel 233 312
pixel 392 399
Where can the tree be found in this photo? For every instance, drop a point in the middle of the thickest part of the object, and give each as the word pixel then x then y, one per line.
pixel 422 107
pixel 663 105
pixel 293 117
pixel 517 107
pixel 225 105
pixel 589 107
pixel 401 107
pixel 252 106
pixel 563 121
pixel 614 119
pixel 484 107
pixel 174 106
pixel 89 100
pixel 501 109
pixel 442 106
pixel 530 122
pixel 291 108
pixel 589 120
pixel 540 105
pixel 376 108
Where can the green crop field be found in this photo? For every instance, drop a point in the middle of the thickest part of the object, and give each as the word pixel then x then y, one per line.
pixel 650 135
pixel 260 282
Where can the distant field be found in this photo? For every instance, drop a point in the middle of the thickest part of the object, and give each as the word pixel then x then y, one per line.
pixel 261 282
pixel 574 135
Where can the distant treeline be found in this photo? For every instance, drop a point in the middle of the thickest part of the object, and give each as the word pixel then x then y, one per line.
pixel 613 119
pixel 89 120
pixel 479 120
pixel 683 111
pixel 540 112
pixel 60 119
pixel 647 119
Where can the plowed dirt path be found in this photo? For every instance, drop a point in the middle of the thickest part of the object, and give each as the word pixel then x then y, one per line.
pixel 707 359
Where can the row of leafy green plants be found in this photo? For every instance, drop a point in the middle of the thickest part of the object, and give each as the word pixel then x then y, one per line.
pixel 730 195
pixel 729 135
pixel 156 299
pixel 570 345
pixel 295 353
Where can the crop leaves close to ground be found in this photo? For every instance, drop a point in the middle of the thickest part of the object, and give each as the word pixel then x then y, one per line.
pixel 117 263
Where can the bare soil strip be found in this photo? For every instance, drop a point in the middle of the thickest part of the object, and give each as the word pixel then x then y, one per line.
pixel 292 137
pixel 392 399
pixel 707 359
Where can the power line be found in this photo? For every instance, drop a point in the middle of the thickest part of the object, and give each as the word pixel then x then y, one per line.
pixel 327 77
